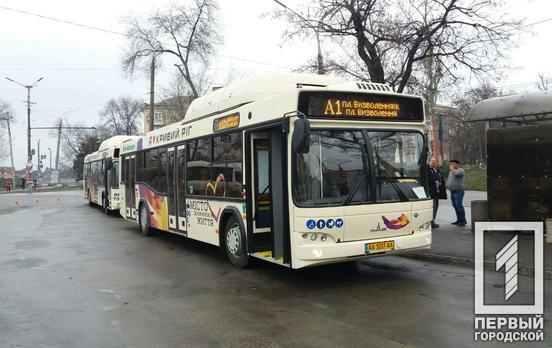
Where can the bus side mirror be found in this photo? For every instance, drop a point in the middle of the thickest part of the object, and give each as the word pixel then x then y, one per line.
pixel 300 140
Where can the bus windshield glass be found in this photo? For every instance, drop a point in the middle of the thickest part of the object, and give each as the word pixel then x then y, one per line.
pixel 346 167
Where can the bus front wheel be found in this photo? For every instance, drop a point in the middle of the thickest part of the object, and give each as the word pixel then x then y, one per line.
pixel 234 243
pixel 144 220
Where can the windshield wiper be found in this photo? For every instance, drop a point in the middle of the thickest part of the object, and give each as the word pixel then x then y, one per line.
pixel 402 195
pixel 355 188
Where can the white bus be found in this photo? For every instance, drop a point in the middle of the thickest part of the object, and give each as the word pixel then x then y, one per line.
pixel 101 174
pixel 299 170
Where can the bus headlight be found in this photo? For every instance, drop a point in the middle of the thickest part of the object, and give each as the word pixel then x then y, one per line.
pixel 323 238
pixel 313 237
pixel 424 226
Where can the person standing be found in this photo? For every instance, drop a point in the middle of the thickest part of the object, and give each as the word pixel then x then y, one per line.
pixel 455 184
pixel 23 182
pixel 437 188
pixel 8 185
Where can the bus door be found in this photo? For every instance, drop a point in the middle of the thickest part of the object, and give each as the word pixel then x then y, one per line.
pixel 131 174
pixel 128 187
pixel 171 187
pixel 267 230
pixel 261 185
pixel 107 182
pixel 181 188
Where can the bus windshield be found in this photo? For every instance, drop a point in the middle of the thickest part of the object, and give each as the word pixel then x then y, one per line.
pixel 346 167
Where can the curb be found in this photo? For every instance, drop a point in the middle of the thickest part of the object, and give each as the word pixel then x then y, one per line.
pixel 467 262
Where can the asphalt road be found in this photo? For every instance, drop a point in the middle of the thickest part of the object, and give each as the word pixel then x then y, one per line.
pixel 73 277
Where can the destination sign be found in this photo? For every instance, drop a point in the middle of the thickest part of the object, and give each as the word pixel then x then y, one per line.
pixel 361 106
pixel 226 122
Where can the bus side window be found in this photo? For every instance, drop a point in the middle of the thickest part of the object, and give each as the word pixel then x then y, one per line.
pixel 227 154
pixel 198 170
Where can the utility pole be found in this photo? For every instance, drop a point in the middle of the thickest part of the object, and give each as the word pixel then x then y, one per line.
pixel 152 95
pixel 59 127
pixel 38 161
pixel 29 152
pixel 7 119
pixel 50 151
pixel 58 142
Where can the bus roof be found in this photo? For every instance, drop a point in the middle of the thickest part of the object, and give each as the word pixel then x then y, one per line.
pixel 115 142
pixel 253 88
pixel 262 97
pixel 107 147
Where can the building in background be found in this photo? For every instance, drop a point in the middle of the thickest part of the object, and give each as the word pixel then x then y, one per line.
pixel 167 111
pixel 445 122
pixel 6 173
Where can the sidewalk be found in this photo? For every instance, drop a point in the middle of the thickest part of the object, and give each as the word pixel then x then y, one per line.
pixel 453 244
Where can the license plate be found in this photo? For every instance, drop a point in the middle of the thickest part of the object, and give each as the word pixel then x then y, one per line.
pixel 379 247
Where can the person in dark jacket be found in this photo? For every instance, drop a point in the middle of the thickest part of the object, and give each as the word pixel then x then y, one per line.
pixel 437 188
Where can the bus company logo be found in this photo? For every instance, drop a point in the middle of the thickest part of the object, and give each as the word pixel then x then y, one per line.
pixel 379 229
pixel 396 224
pixel 512 315
pixel 311 224
pixel 330 223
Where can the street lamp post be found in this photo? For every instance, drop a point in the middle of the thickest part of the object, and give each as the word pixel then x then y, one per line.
pixel 29 154
pixel 38 162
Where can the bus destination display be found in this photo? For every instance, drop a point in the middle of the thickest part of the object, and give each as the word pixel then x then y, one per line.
pixel 361 106
pixel 226 122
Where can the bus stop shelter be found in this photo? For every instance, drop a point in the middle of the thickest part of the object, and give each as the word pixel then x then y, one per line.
pixel 519 157
pixel 519 109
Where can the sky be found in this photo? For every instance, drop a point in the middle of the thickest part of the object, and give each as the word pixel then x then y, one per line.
pixel 82 71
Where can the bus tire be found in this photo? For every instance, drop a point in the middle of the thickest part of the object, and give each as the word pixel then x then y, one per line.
pixel 143 220
pixel 235 243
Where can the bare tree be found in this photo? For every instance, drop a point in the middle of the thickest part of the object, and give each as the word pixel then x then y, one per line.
pixel 543 83
pixel 5 112
pixel 122 116
pixel 390 40
pixel 468 138
pixel 188 33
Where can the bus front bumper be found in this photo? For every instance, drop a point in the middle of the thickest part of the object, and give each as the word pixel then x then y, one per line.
pixel 325 253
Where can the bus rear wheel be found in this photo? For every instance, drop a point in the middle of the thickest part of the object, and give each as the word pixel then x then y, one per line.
pixel 143 220
pixel 234 243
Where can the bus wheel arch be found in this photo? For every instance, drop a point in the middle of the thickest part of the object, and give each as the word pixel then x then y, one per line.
pixel 144 214
pixel 231 226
